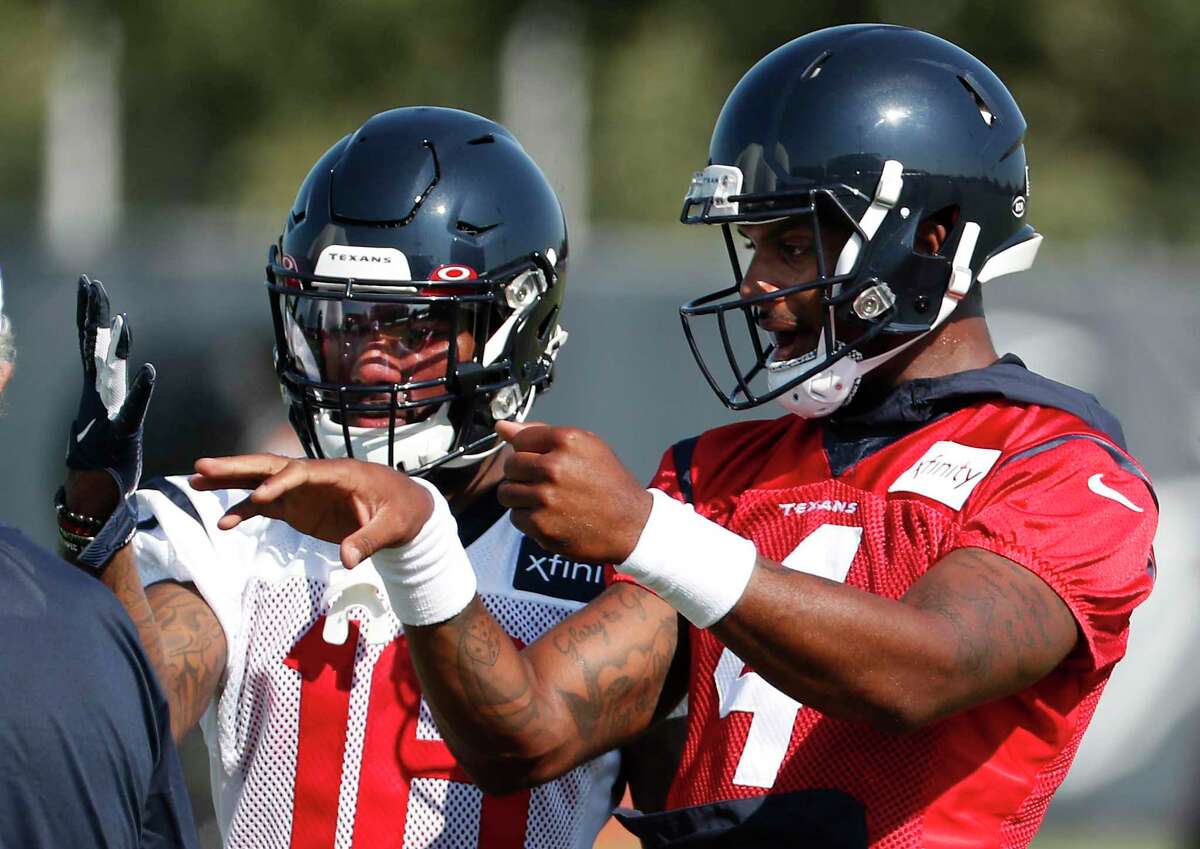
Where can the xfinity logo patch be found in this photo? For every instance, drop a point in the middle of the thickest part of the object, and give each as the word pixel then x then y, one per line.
pixel 847 507
pixel 363 263
pixel 539 571
pixel 947 472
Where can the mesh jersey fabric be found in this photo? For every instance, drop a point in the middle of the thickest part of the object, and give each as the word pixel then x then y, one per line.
pixel 983 777
pixel 319 745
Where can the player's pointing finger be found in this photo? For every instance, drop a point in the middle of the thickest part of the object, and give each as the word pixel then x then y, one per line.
pixel 528 436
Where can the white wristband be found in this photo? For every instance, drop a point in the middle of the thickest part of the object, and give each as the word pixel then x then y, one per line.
pixel 430 579
pixel 696 566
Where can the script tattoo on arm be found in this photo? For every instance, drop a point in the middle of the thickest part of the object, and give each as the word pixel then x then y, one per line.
pixel 1008 627
pixel 624 679
pixel 604 667
pixel 193 650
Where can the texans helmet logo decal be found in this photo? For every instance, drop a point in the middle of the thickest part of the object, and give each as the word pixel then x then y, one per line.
pixel 451 273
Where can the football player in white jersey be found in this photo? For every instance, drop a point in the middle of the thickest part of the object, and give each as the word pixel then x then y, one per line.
pixel 415 293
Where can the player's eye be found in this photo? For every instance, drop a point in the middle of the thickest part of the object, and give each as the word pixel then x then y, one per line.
pixel 797 250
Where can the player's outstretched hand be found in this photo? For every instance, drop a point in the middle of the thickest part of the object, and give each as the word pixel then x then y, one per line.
pixel 568 491
pixel 362 506
pixel 106 436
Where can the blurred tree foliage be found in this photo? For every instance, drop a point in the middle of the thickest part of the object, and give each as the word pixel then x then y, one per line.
pixel 228 102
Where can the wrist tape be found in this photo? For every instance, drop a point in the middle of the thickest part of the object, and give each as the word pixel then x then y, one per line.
pixel 695 565
pixel 430 579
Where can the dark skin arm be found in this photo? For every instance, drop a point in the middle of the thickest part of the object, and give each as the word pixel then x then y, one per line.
pixel 593 683
pixel 975 627
pixel 178 630
pixel 512 718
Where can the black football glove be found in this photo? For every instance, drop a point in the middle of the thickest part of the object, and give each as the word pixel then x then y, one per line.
pixel 107 431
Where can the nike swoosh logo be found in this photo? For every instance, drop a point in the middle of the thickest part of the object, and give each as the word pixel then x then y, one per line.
pixel 79 436
pixel 1097 485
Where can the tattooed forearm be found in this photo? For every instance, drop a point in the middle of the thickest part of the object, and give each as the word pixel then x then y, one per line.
pixel 506 701
pixel 616 657
pixel 193 649
pixel 121 577
pixel 622 681
pixel 180 634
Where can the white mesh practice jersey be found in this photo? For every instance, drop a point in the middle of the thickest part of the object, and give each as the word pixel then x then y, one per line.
pixel 316 744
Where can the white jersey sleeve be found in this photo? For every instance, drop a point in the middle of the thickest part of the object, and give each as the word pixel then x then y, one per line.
pixel 178 539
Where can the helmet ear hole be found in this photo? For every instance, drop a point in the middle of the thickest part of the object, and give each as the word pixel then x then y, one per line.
pixel 934 230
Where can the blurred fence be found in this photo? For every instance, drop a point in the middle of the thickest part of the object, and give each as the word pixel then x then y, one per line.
pixel 1118 322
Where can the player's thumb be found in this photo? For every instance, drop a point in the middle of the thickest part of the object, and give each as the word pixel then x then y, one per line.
pixel 508 430
pixel 359 545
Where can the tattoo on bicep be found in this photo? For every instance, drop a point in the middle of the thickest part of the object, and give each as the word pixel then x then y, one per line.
pixel 194 652
pixel 997 618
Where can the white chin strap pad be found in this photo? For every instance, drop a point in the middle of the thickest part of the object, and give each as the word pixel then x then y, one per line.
pixel 415 444
pixel 821 394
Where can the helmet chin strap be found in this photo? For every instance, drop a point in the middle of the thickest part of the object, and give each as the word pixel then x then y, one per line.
pixel 820 394
pixel 414 445
pixel 832 387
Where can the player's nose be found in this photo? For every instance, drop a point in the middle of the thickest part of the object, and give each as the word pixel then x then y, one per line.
pixel 757 281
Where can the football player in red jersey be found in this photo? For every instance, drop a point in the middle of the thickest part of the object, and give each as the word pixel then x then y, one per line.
pixel 903 598
pixel 416 292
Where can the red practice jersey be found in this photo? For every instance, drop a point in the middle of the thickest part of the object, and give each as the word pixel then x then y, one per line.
pixel 875 504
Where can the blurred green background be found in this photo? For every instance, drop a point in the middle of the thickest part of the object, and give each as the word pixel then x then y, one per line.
pixel 160 144
pixel 225 102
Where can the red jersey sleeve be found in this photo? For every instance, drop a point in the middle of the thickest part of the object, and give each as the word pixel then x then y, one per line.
pixel 1081 516
pixel 667 476
pixel 666 479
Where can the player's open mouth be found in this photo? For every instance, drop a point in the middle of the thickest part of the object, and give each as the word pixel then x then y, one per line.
pixel 790 344
pixel 789 337
pixel 787 346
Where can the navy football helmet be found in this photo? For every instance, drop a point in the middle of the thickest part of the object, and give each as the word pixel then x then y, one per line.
pixel 416 289
pixel 869 129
